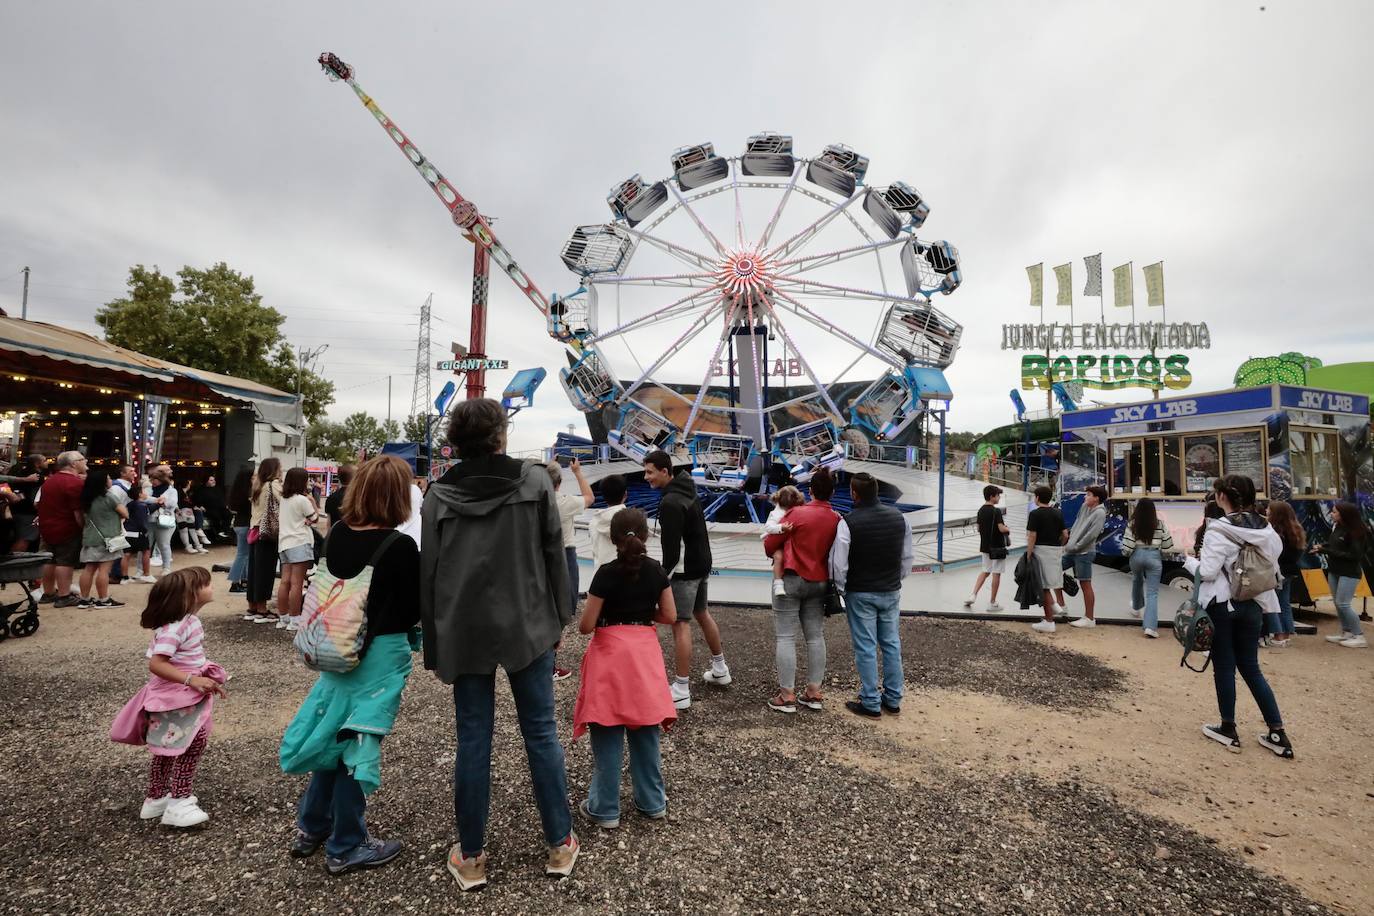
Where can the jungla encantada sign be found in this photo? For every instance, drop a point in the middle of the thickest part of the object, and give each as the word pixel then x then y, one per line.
pixel 1106 370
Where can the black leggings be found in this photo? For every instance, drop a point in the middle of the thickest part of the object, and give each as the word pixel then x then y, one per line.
pixel 262 570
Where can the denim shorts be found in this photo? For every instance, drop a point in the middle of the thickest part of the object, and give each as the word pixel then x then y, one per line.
pixel 305 553
pixel 1081 564
pixel 690 597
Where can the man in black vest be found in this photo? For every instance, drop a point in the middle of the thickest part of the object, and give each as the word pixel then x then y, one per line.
pixel 871 557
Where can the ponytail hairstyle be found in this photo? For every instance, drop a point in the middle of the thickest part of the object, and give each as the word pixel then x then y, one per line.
pixel 1145 520
pixel 629 531
pixel 173 596
pixel 1283 520
pixel 1239 491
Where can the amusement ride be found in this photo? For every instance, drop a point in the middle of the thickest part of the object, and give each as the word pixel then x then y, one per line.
pixel 764 246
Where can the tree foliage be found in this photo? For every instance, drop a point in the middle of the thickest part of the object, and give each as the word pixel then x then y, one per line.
pixel 415 430
pixel 212 319
pixel 342 441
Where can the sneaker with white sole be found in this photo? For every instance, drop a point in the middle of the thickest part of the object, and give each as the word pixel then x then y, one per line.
pixel 146 579
pixel 282 622
pixel 968 602
pixel 563 857
pixel 1276 741
pixel 1345 634
pixel 1136 612
pixel 267 618
pixel 1225 735
pixel 682 694
pixel 1043 626
pixel 183 812
pixel 470 872
pixel 1355 642
pixel 605 823
pixel 719 678
pixel 1150 634
pixel 994 607
pixel 250 616
pixel 156 807
pixel 1084 623
pixel 292 625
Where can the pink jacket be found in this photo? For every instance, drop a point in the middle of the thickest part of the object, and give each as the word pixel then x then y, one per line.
pixel 160 695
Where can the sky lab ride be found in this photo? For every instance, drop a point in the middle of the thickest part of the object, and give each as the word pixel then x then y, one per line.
pixel 764 246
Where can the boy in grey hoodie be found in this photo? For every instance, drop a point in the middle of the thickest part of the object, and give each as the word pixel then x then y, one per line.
pixel 1082 548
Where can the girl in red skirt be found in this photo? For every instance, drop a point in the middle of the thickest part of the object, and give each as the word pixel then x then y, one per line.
pixel 624 689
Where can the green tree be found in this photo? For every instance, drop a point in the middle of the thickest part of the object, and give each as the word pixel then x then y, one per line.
pixel 325 439
pixel 414 429
pixel 342 441
pixel 211 319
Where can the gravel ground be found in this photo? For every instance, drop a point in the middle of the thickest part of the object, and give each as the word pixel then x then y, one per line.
pixel 764 816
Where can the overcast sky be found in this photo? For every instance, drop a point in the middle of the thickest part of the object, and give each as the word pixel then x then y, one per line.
pixel 1232 140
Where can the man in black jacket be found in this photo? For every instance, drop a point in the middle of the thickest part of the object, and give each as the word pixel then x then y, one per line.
pixel 687 558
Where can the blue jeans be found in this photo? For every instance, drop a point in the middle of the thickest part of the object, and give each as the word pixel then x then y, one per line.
pixel 1281 624
pixel 571 553
pixel 333 805
pixel 646 770
pixel 873 620
pixel 474 706
pixel 1342 593
pixel 1235 647
pixel 1147 565
pixel 238 571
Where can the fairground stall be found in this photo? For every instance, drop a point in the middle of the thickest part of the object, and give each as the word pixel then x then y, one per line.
pixel 1309 446
pixel 62 390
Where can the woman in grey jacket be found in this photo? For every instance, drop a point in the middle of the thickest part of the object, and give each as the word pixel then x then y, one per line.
pixel 494 592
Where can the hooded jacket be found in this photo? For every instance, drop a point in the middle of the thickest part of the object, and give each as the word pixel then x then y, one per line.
pixel 493 574
pixel 682 529
pixel 1219 553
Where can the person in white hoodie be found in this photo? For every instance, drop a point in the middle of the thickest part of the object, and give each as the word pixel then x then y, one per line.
pixel 1235 643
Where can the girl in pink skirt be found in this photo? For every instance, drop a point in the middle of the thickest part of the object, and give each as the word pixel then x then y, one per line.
pixel 624 688
pixel 172 714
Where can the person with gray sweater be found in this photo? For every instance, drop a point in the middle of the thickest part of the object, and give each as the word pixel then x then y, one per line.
pixel 1081 550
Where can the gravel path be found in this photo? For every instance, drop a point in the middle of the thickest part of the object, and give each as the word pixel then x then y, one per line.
pixel 768 813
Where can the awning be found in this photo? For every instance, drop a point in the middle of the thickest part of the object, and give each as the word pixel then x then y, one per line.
pixel 36 338
pixel 285 430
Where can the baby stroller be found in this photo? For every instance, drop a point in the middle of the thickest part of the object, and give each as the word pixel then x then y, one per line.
pixel 20 568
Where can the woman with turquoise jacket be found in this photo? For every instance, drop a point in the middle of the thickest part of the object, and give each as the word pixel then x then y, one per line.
pixel 336 735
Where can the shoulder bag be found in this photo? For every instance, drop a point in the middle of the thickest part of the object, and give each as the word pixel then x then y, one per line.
pixel 117 544
pixel 270 524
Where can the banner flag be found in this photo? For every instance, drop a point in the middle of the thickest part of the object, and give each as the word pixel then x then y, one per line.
pixel 1063 275
pixel 1036 273
pixel 1093 262
pixel 1154 284
pixel 1124 286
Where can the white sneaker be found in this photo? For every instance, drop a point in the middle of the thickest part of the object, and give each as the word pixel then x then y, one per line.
pixel 292 626
pixel 251 616
pixel 779 589
pixel 719 678
pixel 994 607
pixel 156 807
pixel 968 602
pixel 155 561
pixel 146 580
pixel 1136 612
pixel 1084 623
pixel 1345 634
pixel 1356 642
pixel 183 812
pixel 1150 634
pixel 282 622
pixel 1043 626
pixel 682 694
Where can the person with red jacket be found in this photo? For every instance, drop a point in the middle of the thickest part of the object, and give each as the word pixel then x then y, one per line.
pixel 806 570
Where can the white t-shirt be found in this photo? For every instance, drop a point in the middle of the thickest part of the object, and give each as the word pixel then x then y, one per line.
pixel 411 526
pixel 603 551
pixel 569 508
pixel 294 522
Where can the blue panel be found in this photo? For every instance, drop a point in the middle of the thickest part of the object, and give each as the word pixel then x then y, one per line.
pixel 1325 401
pixel 931 384
pixel 1170 409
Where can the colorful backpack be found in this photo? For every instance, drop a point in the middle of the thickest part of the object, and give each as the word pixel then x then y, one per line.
pixel 1193 628
pixel 333 624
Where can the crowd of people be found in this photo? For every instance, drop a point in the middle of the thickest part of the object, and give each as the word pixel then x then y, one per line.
pixel 479 574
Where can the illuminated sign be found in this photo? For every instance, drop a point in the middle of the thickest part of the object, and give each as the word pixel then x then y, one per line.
pixel 1106 371
pixel 472 364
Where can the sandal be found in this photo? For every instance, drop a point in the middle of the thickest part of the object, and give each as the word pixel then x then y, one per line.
pixel 811 700
pixel 780 703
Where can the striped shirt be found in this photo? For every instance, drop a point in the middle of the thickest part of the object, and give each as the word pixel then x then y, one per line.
pixel 183 642
pixel 1161 540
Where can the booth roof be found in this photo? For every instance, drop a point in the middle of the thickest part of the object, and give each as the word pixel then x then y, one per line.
pixel 38 339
